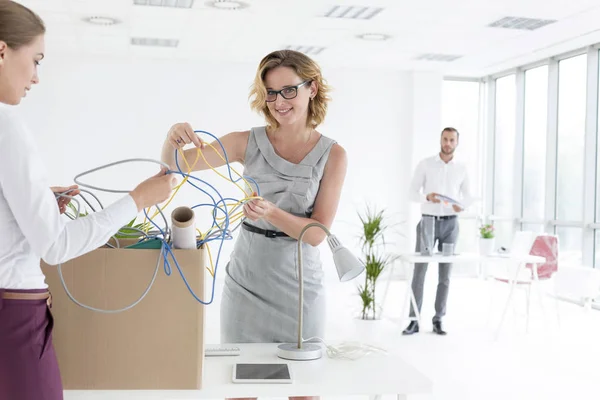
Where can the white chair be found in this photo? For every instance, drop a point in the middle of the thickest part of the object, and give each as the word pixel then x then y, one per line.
pixel 514 274
pixel 578 284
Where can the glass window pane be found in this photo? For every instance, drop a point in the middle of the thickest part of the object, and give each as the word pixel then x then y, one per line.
pixel 537 229
pixel 504 146
pixel 534 142
pixel 571 138
pixel 598 178
pixel 570 245
pixel 597 249
pixel 468 239
pixel 505 231
pixel 460 110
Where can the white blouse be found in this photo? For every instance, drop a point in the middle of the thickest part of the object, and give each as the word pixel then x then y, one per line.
pixel 31 227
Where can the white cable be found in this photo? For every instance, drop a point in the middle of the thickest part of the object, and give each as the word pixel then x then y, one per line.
pixel 348 350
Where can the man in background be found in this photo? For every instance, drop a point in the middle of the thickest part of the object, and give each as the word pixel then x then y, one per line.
pixel 440 175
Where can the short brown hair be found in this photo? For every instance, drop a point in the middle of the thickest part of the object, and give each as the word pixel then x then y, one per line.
pixel 306 69
pixel 451 129
pixel 19 26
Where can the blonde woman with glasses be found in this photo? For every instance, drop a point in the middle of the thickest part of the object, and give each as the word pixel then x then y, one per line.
pixel 300 173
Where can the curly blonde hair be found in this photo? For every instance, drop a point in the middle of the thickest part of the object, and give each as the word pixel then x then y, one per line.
pixel 306 69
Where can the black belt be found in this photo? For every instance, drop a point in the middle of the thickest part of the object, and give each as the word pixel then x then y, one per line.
pixel 440 216
pixel 268 233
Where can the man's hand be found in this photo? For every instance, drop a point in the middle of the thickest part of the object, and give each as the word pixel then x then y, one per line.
pixel 64 201
pixel 432 197
pixel 457 208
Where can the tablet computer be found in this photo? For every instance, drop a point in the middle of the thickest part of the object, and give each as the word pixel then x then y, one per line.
pixel 262 373
pixel 448 200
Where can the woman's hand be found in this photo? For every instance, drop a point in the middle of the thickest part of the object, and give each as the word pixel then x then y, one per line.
pixel 258 209
pixel 64 201
pixel 181 134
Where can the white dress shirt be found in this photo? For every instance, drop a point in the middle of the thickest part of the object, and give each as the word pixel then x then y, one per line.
pixel 31 227
pixel 434 175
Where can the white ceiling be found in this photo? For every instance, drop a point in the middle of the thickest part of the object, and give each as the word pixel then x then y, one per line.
pixel 454 27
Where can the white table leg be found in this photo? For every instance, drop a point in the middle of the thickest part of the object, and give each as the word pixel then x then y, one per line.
pixel 536 281
pixel 528 294
pixel 387 287
pixel 512 283
pixel 410 296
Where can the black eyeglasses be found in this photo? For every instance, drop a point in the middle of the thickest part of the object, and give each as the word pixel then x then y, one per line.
pixel 287 93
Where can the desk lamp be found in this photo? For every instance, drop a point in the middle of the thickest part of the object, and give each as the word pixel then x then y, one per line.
pixel 348 267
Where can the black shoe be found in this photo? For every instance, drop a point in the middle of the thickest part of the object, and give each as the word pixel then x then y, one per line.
pixel 413 327
pixel 437 328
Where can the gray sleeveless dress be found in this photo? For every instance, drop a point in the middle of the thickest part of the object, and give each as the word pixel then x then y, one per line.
pixel 260 296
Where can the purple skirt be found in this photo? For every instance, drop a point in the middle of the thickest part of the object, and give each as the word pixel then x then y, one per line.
pixel 28 365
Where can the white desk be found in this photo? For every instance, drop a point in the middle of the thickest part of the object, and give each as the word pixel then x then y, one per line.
pixel 374 374
pixel 415 258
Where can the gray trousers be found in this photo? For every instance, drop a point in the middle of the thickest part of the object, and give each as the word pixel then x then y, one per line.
pixel 446 231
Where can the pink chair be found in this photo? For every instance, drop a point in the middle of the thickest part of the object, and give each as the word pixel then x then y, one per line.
pixel 545 246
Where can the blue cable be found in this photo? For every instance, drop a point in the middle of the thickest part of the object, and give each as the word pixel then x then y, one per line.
pixel 227 162
pixel 166 249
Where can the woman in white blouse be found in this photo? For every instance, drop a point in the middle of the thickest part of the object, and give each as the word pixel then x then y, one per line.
pixel 31 225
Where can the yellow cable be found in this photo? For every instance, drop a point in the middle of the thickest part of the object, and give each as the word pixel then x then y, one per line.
pixel 223 176
pixel 211 270
pixel 232 218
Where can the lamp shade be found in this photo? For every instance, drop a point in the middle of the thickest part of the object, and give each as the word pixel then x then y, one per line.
pixel 347 265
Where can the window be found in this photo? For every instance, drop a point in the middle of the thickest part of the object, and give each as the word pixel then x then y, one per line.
pixel 504 231
pixel 504 147
pixel 571 138
pixel 570 243
pixel 534 143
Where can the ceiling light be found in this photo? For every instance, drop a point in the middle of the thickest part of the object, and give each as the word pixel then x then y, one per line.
pixel 374 36
pixel 136 41
pixel 165 3
pixel 104 21
pixel 227 4
pixel 308 50
pixel 353 12
pixel 528 24
pixel 438 57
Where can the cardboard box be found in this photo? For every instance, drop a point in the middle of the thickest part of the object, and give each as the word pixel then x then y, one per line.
pixel 158 344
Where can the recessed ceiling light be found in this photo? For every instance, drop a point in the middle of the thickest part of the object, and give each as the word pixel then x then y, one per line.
pixel 154 42
pixel 227 4
pixel 528 24
pixel 374 36
pixel 98 20
pixel 308 50
pixel 353 12
pixel 438 57
pixel 165 3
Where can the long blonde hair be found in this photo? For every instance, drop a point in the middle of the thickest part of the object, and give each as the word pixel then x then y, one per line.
pixel 306 69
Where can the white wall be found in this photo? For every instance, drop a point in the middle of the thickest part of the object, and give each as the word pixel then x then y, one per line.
pixel 88 112
pixel 426 101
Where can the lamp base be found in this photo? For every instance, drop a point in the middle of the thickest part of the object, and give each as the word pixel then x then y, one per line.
pixel 309 351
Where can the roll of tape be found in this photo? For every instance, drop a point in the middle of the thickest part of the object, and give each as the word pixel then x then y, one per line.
pixel 183 228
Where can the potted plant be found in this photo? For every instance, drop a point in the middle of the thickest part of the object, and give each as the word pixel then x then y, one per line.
pixel 372 243
pixel 486 239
